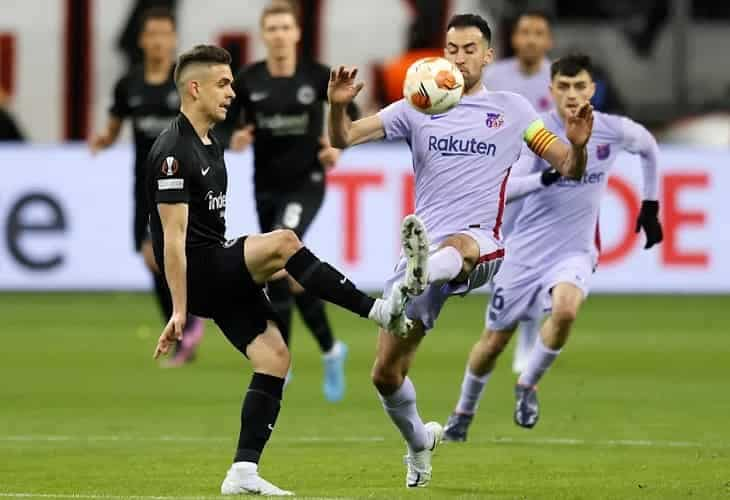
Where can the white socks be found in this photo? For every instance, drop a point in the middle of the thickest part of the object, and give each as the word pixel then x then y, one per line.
pixel 472 388
pixel 526 338
pixel 444 265
pixel 541 358
pixel 401 406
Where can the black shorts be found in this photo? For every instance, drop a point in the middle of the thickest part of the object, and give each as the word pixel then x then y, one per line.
pixel 293 210
pixel 220 287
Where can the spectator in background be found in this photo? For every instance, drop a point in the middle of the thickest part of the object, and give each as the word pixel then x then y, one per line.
pixel 9 130
pixel 129 38
pixel 528 73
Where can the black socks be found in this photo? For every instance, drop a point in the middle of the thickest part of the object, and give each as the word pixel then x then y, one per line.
pixel 326 282
pixel 258 416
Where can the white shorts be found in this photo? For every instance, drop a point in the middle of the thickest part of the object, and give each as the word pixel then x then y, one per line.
pixel 427 306
pixel 521 293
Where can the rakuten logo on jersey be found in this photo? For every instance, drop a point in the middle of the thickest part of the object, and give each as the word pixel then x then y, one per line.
pixel 588 178
pixel 216 202
pixel 453 146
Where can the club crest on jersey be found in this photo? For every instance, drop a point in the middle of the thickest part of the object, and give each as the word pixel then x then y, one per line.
pixel 170 166
pixel 494 120
pixel 306 94
pixel 603 151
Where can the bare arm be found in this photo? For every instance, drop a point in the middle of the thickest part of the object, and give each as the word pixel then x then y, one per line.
pixel 108 137
pixel 568 159
pixel 174 219
pixel 343 132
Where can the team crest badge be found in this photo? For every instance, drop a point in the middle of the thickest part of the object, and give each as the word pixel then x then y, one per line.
pixel 603 151
pixel 170 166
pixel 305 94
pixel 494 120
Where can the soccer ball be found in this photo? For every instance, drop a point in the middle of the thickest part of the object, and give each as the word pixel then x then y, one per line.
pixel 433 85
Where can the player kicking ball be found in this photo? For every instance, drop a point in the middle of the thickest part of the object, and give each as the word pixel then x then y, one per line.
pixel 461 161
pixel 552 250
pixel 223 280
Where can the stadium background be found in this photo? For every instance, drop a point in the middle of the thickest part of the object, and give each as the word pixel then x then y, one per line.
pixel 636 407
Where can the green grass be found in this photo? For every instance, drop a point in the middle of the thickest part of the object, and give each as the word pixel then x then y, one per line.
pixel 636 407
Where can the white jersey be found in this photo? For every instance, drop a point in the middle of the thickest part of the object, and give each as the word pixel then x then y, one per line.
pixel 561 220
pixel 506 75
pixel 462 158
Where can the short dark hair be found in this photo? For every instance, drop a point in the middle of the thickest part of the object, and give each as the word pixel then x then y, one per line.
pixel 280 7
pixel 534 13
pixel 471 21
pixel 157 13
pixel 571 65
pixel 201 54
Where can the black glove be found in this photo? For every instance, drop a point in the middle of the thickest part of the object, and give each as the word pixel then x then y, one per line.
pixel 649 220
pixel 549 176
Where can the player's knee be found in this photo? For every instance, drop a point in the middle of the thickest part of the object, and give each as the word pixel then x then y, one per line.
pixel 287 243
pixel 280 358
pixel 564 315
pixel 386 380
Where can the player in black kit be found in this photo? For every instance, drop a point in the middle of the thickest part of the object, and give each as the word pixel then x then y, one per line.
pixel 148 97
pixel 280 101
pixel 223 280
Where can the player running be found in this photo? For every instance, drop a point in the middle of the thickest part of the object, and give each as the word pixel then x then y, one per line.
pixel 527 74
pixel 148 97
pixel 461 161
pixel 223 280
pixel 282 99
pixel 552 252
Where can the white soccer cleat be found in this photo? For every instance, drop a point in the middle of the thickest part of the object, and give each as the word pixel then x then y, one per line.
pixel 243 479
pixel 414 240
pixel 419 462
pixel 390 313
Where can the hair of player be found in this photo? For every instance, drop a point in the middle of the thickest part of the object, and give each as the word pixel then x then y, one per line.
pixel 571 65
pixel 157 13
pixel 200 54
pixel 541 14
pixel 471 21
pixel 281 7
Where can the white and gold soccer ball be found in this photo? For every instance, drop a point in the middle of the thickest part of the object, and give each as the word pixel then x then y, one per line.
pixel 433 85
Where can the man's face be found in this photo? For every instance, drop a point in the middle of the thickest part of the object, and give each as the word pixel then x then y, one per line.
pixel 158 39
pixel 280 33
pixel 532 39
pixel 571 92
pixel 214 91
pixel 467 49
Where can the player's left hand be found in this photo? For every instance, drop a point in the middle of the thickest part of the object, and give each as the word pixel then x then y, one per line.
pixel 579 126
pixel 328 155
pixel 172 332
pixel 649 220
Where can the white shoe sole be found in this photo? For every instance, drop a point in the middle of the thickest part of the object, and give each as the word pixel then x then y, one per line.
pixel 414 240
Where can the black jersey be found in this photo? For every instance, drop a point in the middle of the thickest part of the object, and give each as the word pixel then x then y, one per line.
pixel 181 169
pixel 150 107
pixel 288 115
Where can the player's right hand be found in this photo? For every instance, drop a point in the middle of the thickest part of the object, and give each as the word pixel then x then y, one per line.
pixel 241 139
pixel 342 87
pixel 97 143
pixel 172 332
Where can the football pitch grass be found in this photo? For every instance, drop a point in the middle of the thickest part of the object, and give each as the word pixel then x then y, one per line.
pixel 637 406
